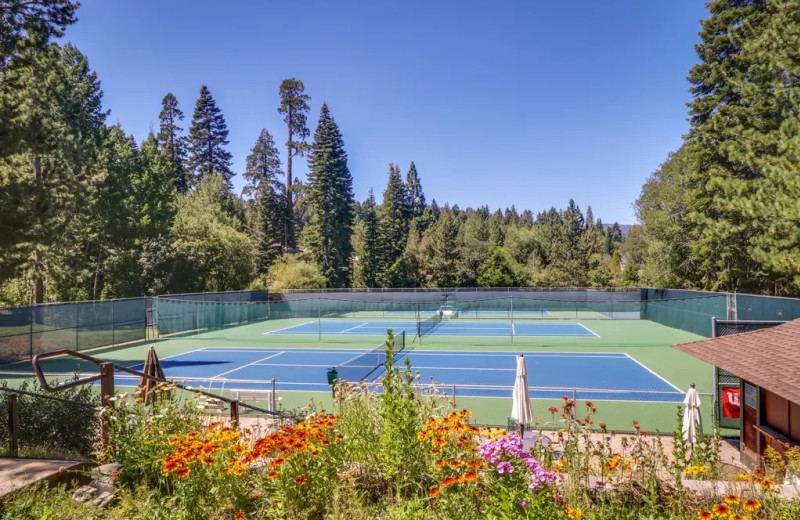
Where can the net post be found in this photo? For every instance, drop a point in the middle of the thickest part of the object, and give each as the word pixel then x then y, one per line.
pixel 319 322
pixel 512 318
pixel 113 325
pixel 13 424
pixel 272 397
pixel 30 334
pixel 77 328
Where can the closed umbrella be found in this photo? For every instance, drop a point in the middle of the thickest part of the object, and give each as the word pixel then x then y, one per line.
pixel 152 367
pixel 521 404
pixel 692 422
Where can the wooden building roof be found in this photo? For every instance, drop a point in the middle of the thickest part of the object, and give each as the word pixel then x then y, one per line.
pixel 769 358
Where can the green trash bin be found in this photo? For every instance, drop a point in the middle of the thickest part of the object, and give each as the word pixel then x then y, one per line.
pixel 333 375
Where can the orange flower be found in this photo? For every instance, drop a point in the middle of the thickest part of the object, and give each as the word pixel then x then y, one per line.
pixel 433 492
pixel 449 481
pixel 737 517
pixel 277 461
pixel 301 480
pixel 767 483
pixel 440 463
pixel 705 515
pixel 759 472
pixel 722 509
pixel 272 474
pixel 183 472
pixel 732 499
pixel 239 516
pixel 751 505
pixel 470 476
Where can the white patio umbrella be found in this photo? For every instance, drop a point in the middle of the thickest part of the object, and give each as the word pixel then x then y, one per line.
pixel 521 404
pixel 692 422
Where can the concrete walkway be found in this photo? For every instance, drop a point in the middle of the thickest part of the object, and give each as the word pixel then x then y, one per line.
pixel 17 473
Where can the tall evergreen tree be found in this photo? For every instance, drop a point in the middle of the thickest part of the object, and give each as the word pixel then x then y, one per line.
pixel 208 137
pixel 371 265
pixel 294 108
pixel 19 19
pixel 171 142
pixel 52 104
pixel 262 173
pixel 394 215
pixel 330 199
pixel 726 145
pixel 416 198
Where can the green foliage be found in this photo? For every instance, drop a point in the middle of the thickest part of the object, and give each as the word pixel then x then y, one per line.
pixel 50 428
pixel 267 212
pixel 171 143
pixel 216 255
pixel 327 236
pixel 208 137
pixel 369 267
pixel 292 272
pixel 43 19
pixel 394 215
pixel 496 271
pixel 294 107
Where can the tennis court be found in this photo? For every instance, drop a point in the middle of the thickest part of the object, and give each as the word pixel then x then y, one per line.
pixel 596 376
pixel 439 327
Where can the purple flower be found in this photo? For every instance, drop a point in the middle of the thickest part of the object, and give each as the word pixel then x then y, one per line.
pixel 524 504
pixel 505 467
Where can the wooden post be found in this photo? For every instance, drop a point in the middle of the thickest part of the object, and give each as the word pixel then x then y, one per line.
pixel 13 424
pixel 234 413
pixel 106 393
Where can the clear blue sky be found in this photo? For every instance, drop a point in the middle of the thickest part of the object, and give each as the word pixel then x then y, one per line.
pixel 528 103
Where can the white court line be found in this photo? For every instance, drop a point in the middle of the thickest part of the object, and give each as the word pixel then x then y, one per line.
pixel 418 352
pixel 247 365
pixel 292 327
pixel 588 329
pixel 351 328
pixel 655 374
pixel 513 330
pixel 289 365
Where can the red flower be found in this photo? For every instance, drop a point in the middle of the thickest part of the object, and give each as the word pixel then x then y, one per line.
pixel 552 409
pixel 301 480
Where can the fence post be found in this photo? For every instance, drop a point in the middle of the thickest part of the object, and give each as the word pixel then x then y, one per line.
pixel 77 326
pixel 272 397
pixel 234 413
pixel 113 325
pixel 106 393
pixel 575 396
pixel 454 394
pixel 13 424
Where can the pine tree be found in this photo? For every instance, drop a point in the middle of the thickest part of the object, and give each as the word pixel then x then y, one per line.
pixel 208 137
pixel 52 106
pixel 495 271
pixel 726 144
pixel 589 217
pixel 262 173
pixel 154 191
pixel 45 19
pixel 171 142
pixel 294 108
pixel 330 199
pixel 371 265
pixel 394 216
pixel 415 196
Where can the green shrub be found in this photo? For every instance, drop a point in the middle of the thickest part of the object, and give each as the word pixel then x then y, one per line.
pixel 50 428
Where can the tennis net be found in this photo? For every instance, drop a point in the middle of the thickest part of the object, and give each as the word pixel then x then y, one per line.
pixel 362 367
pixel 427 325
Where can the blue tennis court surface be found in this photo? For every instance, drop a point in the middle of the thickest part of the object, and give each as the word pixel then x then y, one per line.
pixel 596 376
pixel 443 328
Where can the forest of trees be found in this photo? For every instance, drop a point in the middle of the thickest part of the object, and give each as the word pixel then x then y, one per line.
pixel 89 212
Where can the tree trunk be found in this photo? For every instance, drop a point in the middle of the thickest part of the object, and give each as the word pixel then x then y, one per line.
pixel 289 241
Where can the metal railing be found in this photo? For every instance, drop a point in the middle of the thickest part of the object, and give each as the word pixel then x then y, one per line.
pixel 106 378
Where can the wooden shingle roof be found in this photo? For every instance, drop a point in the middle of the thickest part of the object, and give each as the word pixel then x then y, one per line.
pixel 769 358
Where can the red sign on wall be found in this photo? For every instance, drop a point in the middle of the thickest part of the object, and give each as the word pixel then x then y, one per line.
pixel 731 403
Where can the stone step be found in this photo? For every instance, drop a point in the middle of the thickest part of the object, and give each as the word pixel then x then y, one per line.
pixel 16 473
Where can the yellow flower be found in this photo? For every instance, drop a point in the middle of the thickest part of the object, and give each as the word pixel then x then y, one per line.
pixel 705 515
pixel 722 509
pixel 751 505
pixel 732 499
